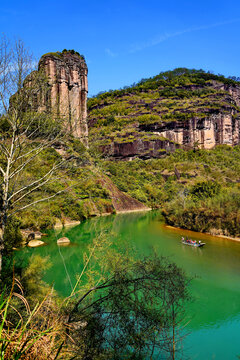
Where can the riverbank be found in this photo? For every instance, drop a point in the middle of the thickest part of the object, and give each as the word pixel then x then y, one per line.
pixel 133 211
pixel 29 234
pixel 195 233
pixel 68 223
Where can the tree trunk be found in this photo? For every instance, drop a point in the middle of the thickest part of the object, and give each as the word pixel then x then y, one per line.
pixel 2 230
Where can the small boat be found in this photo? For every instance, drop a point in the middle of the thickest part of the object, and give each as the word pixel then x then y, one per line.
pixel 192 242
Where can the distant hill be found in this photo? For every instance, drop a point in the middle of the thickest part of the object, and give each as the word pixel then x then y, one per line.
pixel 181 108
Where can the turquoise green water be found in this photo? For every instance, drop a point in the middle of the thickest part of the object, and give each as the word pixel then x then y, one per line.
pixel 214 315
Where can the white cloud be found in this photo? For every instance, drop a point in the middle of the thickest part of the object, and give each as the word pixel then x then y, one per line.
pixel 163 37
pixel 110 53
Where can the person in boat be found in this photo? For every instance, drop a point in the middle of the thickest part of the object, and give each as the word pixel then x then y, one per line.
pixel 183 238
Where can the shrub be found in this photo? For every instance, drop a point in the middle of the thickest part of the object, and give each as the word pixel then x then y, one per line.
pixel 205 189
pixel 12 235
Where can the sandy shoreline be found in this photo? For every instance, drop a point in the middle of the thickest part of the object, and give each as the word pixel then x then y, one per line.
pixel 207 234
pixel 60 225
pixel 132 211
pixel 68 223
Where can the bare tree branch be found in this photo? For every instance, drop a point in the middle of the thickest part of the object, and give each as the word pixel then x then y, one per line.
pixel 21 167
pixel 38 201
pixel 5 150
pixel 40 182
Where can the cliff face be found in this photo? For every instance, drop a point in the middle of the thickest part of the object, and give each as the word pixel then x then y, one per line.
pixel 66 92
pixel 205 133
pixel 139 147
pixel 184 108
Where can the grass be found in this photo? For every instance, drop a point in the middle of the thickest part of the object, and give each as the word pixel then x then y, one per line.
pixel 27 333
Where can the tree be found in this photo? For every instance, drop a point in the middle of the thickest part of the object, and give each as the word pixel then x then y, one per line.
pixel 134 314
pixel 24 135
pixel 128 316
pixel 205 189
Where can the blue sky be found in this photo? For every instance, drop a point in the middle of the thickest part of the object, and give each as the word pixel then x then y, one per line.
pixel 124 41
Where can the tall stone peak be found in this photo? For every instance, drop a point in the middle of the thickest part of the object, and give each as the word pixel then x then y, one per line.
pixel 66 92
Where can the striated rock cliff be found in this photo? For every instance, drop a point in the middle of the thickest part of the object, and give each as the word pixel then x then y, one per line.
pixel 180 108
pixel 126 148
pixel 65 95
pixel 204 133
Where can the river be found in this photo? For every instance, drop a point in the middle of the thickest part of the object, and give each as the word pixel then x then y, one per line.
pixel 214 314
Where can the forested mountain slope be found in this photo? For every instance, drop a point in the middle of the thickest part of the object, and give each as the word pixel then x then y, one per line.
pixel 180 129
pixel 179 108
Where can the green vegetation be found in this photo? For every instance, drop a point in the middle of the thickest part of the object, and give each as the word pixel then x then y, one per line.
pixel 114 304
pixel 65 51
pixel 197 189
pixel 153 181
pixel 81 194
pixel 57 54
pixel 118 308
pixel 173 96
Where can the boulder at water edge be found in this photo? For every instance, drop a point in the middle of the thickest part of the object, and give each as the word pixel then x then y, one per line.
pixel 63 241
pixel 35 243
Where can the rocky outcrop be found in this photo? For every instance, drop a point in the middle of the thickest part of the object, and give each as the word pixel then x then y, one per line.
pixel 121 202
pixel 31 235
pixel 65 95
pixel 164 137
pixel 204 133
pixel 63 241
pixel 35 243
pixel 197 110
pixel 144 149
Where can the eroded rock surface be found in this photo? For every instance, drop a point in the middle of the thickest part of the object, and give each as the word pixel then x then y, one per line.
pixel 217 129
pixel 122 202
pixel 183 108
pixel 35 243
pixel 63 241
pixel 144 149
pixel 65 95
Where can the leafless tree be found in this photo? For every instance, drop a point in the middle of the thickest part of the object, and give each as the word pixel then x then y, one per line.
pixel 23 133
